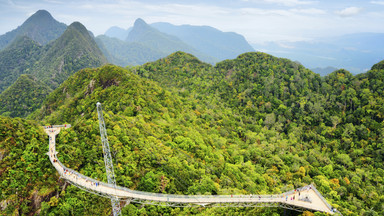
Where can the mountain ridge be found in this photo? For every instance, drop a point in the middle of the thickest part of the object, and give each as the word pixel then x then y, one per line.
pixel 207 43
pixel 211 41
pixel 51 64
pixel 73 50
pixel 40 27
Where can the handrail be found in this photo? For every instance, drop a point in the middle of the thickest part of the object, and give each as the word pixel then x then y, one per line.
pixel 57 126
pixel 255 196
pixel 321 197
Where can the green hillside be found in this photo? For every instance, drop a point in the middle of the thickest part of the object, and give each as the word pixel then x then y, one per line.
pixel 40 27
pixel 53 63
pixel 23 97
pixel 50 64
pixel 74 50
pixel 331 128
pixel 17 59
pixel 253 125
pixel 26 176
pixel 155 133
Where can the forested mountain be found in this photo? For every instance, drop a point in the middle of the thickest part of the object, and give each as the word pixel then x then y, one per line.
pixel 27 177
pixel 53 63
pixel 161 39
pixel 208 40
pixel 256 124
pixel 332 126
pixel 17 59
pixel 171 144
pixel 150 37
pixel 253 125
pixel 40 27
pixel 144 44
pixel 23 97
pixel 50 64
pixel 73 50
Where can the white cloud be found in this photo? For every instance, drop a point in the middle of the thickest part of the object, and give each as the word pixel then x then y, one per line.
pixel 310 11
pixel 377 2
pixel 350 11
pixel 283 2
pixel 258 20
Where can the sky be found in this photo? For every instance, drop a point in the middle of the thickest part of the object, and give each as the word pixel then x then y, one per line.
pixel 259 21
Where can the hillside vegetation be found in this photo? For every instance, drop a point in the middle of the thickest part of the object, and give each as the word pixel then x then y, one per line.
pixel 50 65
pixel 23 97
pixel 74 50
pixel 253 125
pixel 328 129
pixel 18 59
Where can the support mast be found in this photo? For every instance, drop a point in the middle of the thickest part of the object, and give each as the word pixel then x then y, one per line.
pixel 108 159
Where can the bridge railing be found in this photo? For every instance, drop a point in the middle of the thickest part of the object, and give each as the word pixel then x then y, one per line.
pixel 57 126
pixel 192 197
pixel 323 199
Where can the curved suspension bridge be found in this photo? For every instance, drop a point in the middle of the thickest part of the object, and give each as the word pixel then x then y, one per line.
pixel 305 198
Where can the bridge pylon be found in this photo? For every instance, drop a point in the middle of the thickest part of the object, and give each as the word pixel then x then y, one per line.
pixel 108 159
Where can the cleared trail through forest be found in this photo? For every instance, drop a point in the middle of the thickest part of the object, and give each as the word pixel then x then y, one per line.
pixel 303 198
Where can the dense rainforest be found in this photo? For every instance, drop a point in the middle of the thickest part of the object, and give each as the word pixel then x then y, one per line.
pixel 50 65
pixel 23 97
pixel 256 124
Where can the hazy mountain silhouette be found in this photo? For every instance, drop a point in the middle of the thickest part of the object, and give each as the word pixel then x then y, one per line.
pixel 40 27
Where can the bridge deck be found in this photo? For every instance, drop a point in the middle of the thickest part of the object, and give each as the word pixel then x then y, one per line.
pixel 292 199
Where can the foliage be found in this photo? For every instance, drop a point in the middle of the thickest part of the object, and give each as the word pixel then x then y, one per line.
pixel 23 97
pixel 17 59
pixel 74 50
pixel 253 125
pixel 53 63
pixel 294 121
pixel 26 175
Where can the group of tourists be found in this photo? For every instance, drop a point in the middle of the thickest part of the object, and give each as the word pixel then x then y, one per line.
pixel 77 176
pixel 292 198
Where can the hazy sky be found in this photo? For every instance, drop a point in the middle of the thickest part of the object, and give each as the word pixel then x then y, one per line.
pixel 257 20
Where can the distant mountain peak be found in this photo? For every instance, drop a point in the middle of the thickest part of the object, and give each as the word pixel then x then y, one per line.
pixel 78 26
pixel 41 17
pixel 75 44
pixel 141 31
pixel 140 22
pixel 42 13
pixel 40 27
